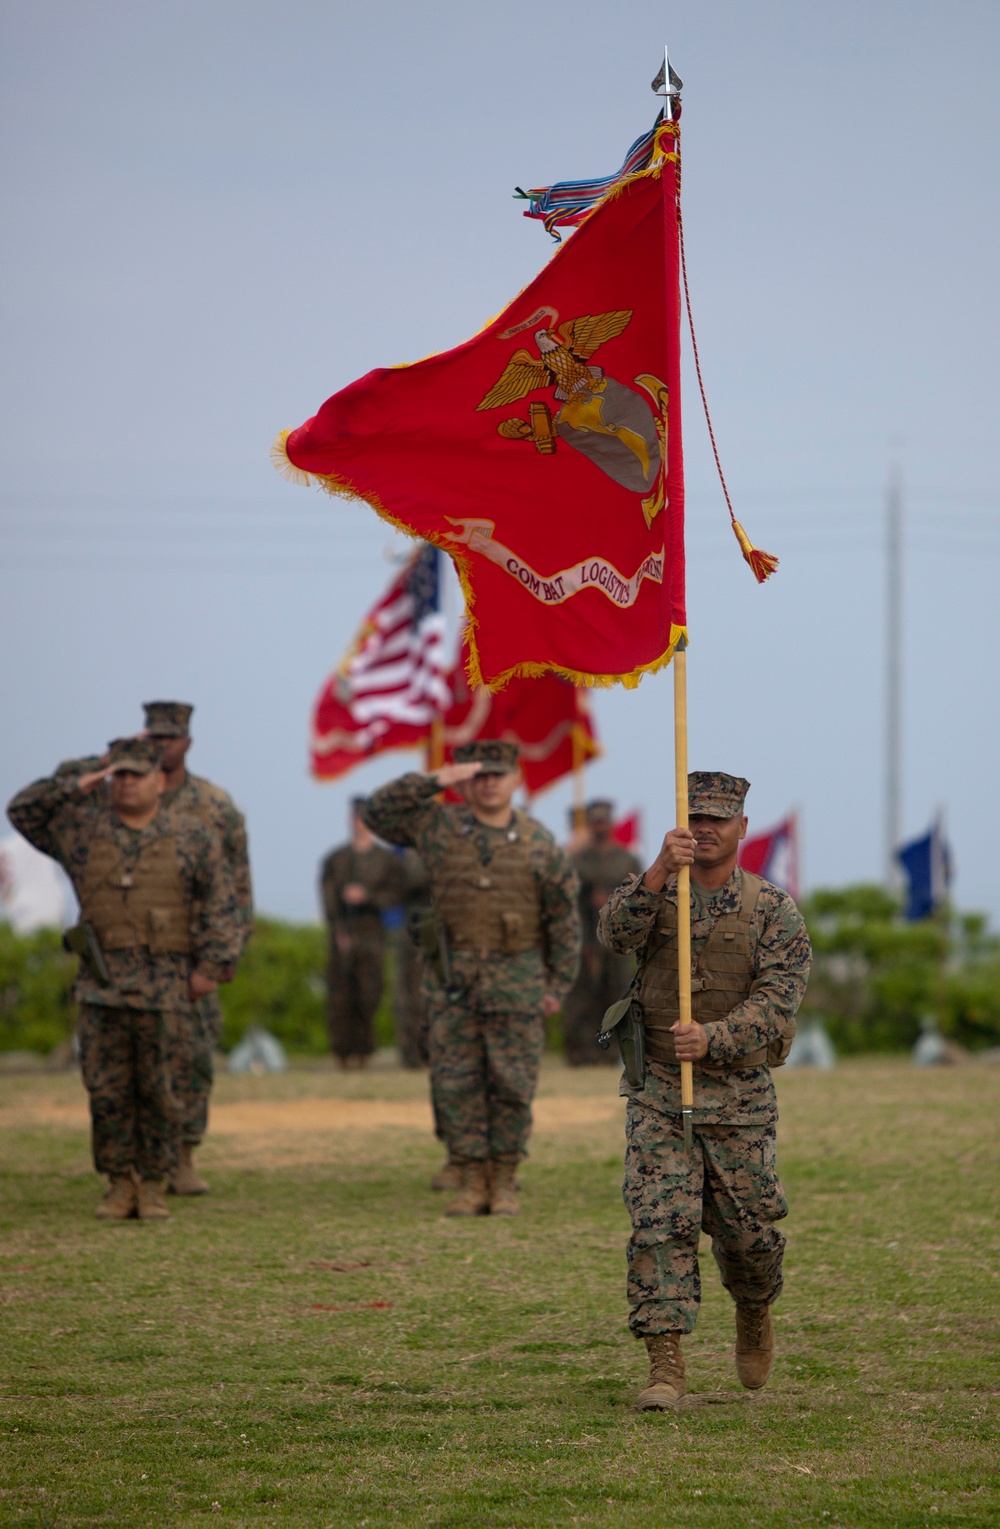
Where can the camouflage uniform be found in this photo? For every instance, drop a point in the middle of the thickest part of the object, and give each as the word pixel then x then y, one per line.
pixel 133 1027
pixel 728 1186
pixel 487 1030
pixel 408 1005
pixel 210 805
pixel 356 952
pixel 604 976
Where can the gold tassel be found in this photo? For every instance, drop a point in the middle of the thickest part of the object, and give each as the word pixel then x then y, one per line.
pixel 284 465
pixel 762 564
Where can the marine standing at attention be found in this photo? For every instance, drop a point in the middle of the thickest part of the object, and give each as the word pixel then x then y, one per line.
pixel 160 929
pixel 358 882
pixel 168 724
pixel 504 900
pixel 750 961
pixel 408 1004
pixel 601 865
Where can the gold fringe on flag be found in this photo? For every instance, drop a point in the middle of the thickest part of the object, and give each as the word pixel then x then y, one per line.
pixel 283 463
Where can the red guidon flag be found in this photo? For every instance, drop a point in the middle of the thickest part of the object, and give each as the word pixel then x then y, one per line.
pixel 775 855
pixel 547 717
pixel 544 454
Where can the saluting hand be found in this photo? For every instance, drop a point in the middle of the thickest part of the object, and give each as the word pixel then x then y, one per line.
pixel 87 783
pixel 452 774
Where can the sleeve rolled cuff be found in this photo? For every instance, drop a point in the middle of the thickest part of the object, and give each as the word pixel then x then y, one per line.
pixel 214 971
pixel 720 1043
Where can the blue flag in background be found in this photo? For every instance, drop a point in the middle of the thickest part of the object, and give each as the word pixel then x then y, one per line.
pixel 927 863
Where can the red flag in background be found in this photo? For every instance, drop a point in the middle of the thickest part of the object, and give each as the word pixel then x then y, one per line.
pixel 544 454
pixel 775 855
pixel 628 831
pixel 541 715
pixel 391 682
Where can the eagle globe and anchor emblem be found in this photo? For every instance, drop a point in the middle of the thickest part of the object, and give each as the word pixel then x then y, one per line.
pixel 611 424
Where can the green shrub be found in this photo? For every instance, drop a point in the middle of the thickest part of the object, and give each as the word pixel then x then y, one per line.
pixel 279 985
pixel 36 975
pixel 876 978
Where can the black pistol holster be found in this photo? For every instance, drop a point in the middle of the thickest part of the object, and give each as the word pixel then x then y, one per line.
pixel 425 931
pixel 82 941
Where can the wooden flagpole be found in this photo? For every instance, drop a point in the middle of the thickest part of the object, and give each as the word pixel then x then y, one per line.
pixel 669 94
pixel 683 883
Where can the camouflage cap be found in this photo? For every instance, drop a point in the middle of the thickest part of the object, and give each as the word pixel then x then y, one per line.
pixel 139 755
pixel 496 755
pixel 714 795
pixel 600 810
pixel 167 719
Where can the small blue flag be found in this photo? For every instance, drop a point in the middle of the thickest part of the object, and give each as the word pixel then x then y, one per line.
pixel 927 863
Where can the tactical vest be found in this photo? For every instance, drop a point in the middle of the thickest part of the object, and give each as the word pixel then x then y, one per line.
pixel 490 909
pixel 145 906
pixel 721 978
pixel 201 807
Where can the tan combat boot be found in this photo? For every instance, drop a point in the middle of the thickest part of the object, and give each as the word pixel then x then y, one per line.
pixel 665 1385
pixel 185 1179
pixel 503 1195
pixel 754 1344
pixel 473 1199
pixel 152 1206
pixel 448 1177
pixel 119 1202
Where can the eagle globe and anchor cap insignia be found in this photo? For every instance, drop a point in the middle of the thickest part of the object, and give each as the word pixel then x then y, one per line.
pixel 609 423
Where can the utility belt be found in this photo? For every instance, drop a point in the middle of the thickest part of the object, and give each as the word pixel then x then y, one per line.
pixel 638 1041
pixel 660 1048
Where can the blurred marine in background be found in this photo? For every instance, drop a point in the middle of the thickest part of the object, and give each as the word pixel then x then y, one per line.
pixel 160 927
pixel 168 724
pixel 601 865
pixel 359 881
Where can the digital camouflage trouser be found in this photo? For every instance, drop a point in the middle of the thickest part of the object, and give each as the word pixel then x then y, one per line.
pixel 353 993
pixel 128 1058
pixel 727 1187
pixel 409 1008
pixel 484 1072
pixel 193 1066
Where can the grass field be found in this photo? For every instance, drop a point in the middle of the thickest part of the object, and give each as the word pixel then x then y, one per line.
pixel 313 1344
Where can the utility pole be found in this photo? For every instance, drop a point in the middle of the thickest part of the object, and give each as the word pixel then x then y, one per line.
pixel 893 675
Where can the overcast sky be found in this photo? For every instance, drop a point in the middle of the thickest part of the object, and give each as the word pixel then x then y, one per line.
pixel 216 214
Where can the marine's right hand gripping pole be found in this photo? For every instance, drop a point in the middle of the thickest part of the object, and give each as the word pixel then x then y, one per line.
pixel 683 883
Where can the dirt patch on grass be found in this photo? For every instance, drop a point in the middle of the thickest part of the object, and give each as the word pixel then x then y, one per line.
pixel 303 1117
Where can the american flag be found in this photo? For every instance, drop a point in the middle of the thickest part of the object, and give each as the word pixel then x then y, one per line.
pixel 775 855
pixel 392 681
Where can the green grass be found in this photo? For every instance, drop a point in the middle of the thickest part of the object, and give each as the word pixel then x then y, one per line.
pixel 211 1370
